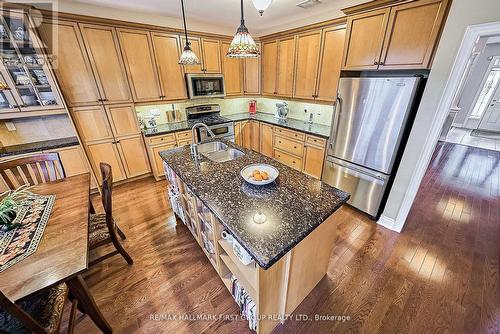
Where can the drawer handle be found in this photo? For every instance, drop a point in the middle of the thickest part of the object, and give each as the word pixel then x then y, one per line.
pixel 293 162
pixel 295 147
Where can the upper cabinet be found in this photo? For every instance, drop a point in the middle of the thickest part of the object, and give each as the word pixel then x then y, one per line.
pixel 286 62
pixel 398 37
pixel 25 69
pixel 137 51
pixel 269 65
pixel 308 54
pixel 251 68
pixel 101 43
pixel 232 68
pixel 365 35
pixel 171 74
pixel 208 52
pixel 412 32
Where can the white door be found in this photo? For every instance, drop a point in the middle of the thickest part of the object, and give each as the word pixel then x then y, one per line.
pixel 491 116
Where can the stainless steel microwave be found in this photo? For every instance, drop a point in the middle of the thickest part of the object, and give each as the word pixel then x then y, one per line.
pixel 205 85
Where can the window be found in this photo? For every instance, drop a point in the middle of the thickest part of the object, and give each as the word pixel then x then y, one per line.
pixel 488 89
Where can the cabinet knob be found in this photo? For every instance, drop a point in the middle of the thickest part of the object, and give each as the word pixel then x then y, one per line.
pixel 381 63
pixel 295 147
pixel 375 63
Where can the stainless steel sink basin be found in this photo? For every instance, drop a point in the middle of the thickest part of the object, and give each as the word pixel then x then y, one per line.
pixel 209 147
pixel 224 155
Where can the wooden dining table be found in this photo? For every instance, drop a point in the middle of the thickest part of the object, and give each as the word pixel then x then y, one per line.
pixel 62 254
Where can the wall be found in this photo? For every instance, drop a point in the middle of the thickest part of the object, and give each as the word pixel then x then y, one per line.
pixel 322 113
pixel 462 14
pixel 34 129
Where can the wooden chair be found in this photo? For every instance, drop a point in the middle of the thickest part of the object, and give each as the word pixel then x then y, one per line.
pixel 102 227
pixel 40 312
pixel 32 170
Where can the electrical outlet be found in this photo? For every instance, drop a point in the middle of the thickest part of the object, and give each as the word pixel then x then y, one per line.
pixel 10 126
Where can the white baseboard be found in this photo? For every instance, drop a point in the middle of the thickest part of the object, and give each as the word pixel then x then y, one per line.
pixel 388 223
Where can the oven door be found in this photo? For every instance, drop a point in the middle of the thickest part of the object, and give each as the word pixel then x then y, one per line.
pixel 225 130
pixel 205 85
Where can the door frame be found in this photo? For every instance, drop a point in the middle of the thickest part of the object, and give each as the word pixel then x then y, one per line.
pixel 472 33
pixel 496 91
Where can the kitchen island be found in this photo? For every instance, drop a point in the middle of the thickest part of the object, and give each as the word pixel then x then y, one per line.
pixel 290 250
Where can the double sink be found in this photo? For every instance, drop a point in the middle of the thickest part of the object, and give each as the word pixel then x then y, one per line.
pixel 218 151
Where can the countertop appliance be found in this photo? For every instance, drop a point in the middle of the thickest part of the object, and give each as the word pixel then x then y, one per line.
pixel 281 110
pixel 209 114
pixel 201 86
pixel 370 119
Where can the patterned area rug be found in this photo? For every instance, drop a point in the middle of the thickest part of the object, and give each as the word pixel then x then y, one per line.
pixel 22 241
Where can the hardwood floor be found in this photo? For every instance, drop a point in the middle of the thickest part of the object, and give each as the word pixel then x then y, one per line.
pixel 439 275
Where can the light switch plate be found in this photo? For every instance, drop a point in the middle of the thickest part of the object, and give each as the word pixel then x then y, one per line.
pixel 10 126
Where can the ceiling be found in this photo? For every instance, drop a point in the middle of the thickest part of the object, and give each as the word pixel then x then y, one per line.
pixel 224 15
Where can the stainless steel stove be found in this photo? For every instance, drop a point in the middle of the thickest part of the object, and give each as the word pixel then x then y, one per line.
pixel 209 114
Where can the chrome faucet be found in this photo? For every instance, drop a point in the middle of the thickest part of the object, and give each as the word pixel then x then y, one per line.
pixel 194 145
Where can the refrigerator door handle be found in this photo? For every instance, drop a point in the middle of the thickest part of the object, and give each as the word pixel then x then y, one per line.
pixel 335 125
pixel 359 169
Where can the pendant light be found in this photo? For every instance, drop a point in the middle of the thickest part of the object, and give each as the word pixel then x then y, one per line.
pixel 261 5
pixel 4 86
pixel 243 45
pixel 188 57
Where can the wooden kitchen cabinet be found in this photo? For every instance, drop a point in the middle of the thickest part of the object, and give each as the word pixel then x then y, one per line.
pixel 196 47
pixel 237 133
pixel 330 64
pixel 252 74
pixel 288 159
pixel 246 134
pixel 170 73
pixel 71 64
pixel 314 157
pixel 306 70
pixel 157 161
pixel 137 50
pixel 211 55
pixel 232 68
pixel 365 35
pixel 412 33
pixel 106 151
pixel 123 120
pixel 73 160
pixel 269 67
pixel 254 135
pixel 133 155
pixel 101 43
pixel 266 139
pixel 92 123
pixel 286 66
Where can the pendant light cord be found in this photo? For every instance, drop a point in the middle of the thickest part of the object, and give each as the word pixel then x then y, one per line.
pixel 184 19
pixel 242 17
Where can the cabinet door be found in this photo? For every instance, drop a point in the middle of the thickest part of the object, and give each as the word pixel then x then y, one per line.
pixel 255 136
pixel 266 139
pixel 104 53
pixel 140 64
pixel 133 156
pixel 411 35
pixel 331 61
pixel 286 62
pixel 365 35
pixel 171 74
pixel 157 161
pixel 308 52
pixel 211 55
pixel 196 47
pixel 269 67
pixel 237 133
pixel 123 120
pixel 92 123
pixel 73 160
pixel 313 160
pixel 70 63
pixel 246 135
pixel 106 152
pixel 232 69
pixel 251 81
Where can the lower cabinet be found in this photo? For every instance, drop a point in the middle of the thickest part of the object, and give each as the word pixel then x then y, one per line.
pixel 133 156
pixel 313 160
pixel 266 139
pixel 106 151
pixel 255 136
pixel 246 134
pixel 288 159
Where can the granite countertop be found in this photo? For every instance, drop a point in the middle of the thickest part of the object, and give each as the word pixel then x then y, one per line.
pixel 295 204
pixel 7 151
pixel 291 123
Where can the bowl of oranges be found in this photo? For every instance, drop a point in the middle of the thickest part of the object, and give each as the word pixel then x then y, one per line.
pixel 259 174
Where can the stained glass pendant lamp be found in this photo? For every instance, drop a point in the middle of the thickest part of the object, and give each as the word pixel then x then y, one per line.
pixel 243 45
pixel 188 57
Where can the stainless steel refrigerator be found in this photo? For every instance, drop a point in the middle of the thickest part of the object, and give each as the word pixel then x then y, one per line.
pixel 370 118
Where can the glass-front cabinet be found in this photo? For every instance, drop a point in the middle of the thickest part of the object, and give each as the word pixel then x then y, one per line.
pixel 24 68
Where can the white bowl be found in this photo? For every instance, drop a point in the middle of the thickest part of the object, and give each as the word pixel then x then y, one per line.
pixel 247 173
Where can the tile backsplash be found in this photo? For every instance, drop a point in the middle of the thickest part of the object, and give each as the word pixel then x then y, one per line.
pixel 322 113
